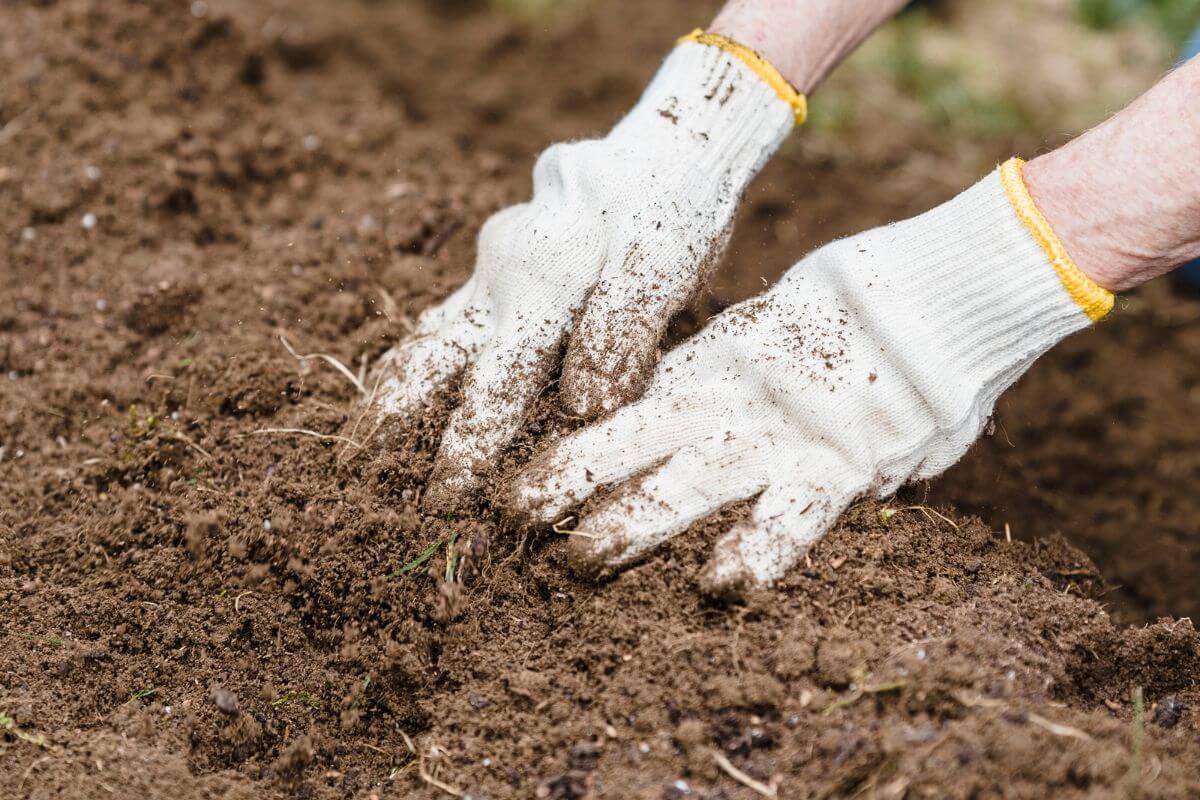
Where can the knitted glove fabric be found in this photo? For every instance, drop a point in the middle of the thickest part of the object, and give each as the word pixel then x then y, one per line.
pixel 619 234
pixel 874 361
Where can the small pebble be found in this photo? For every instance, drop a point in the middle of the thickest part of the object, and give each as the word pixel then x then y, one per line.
pixel 225 700
pixel 92 172
pixel 311 142
pixel 28 234
pixel 88 221
pixel 679 790
pixel 199 9
pixel 400 189
pixel 1168 711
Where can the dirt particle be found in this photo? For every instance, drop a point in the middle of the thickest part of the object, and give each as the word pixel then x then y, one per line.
pixel 690 734
pixel 1169 711
pixel 225 700
pixel 159 308
pixel 750 690
pixel 530 685
pixel 585 755
pixel 200 529
pixel 295 758
pixel 451 601
pixel 794 656
pixel 253 70
pixel 840 657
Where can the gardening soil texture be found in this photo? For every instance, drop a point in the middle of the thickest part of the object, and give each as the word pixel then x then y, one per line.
pixel 216 580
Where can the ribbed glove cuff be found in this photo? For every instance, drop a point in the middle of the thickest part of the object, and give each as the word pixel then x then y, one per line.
pixel 758 65
pixel 716 106
pixel 1000 289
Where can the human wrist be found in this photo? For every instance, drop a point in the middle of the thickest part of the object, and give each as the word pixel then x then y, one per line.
pixel 804 39
pixel 1103 231
pixel 1123 197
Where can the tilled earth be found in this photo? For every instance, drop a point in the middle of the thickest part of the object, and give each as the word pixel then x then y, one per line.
pixel 197 601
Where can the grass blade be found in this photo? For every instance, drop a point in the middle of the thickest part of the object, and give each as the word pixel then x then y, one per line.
pixel 425 555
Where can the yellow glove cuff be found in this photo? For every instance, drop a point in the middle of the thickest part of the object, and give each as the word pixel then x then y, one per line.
pixel 1094 299
pixel 757 64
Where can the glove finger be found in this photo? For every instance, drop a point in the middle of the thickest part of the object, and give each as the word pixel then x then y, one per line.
pixel 499 389
pixel 435 317
pixel 423 366
pixel 614 347
pixel 634 438
pixel 787 519
pixel 688 487
pixel 446 337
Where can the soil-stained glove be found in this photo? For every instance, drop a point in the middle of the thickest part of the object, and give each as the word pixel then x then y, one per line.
pixel 619 235
pixel 874 361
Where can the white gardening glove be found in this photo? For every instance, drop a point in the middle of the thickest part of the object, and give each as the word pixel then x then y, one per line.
pixel 875 361
pixel 619 235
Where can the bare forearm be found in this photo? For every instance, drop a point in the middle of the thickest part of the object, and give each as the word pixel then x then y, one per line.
pixel 803 39
pixel 1124 198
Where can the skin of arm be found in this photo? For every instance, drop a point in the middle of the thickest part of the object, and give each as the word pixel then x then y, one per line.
pixel 1124 198
pixel 803 39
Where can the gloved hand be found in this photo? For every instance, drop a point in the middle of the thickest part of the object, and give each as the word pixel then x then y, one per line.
pixel 620 233
pixel 874 361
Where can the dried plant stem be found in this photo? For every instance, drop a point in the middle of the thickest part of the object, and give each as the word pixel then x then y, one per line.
pixel 745 780
pixel 334 362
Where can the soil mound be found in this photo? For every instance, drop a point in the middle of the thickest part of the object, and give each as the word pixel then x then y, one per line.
pixel 196 600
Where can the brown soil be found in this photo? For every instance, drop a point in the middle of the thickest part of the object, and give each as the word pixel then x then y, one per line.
pixel 193 606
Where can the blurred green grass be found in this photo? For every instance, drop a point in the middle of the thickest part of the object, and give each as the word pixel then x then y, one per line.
pixel 531 9
pixel 1176 19
pixel 942 91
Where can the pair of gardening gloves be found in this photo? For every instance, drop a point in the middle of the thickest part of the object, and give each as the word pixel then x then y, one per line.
pixel 874 361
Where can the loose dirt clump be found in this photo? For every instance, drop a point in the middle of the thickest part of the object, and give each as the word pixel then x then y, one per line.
pixel 215 581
